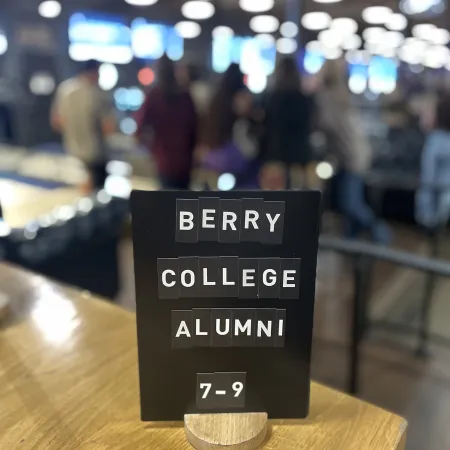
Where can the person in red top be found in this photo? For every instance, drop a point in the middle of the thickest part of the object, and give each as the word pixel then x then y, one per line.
pixel 167 124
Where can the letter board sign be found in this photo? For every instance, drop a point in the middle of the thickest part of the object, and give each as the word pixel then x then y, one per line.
pixel 225 285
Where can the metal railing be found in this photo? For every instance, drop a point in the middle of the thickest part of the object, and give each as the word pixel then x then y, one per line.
pixel 364 254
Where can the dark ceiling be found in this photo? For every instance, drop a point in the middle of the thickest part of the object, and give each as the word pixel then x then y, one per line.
pixel 227 11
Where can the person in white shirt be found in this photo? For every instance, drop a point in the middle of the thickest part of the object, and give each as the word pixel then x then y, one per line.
pixel 84 115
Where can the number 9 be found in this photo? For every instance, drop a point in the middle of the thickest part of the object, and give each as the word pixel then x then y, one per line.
pixel 237 387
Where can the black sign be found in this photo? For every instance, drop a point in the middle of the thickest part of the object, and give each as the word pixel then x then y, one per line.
pixel 225 288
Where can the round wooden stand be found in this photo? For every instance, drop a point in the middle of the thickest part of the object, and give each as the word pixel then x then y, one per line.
pixel 231 431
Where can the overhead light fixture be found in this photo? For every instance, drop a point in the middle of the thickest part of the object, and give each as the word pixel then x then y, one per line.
pixel 42 83
pixel 352 42
pixel 376 14
pixel 316 20
pixel 3 44
pixel 256 82
pixel 412 7
pixel 141 2
pixel 357 83
pixel 265 40
pixel 187 29
pixel 436 56
pixel 439 36
pixel 332 53
pixel 289 29
pixel 198 10
pixel 256 6
pixel 423 30
pixel 374 35
pixel 286 46
pixel 50 9
pixel 264 24
pixel 221 31
pixel 412 51
pixel 314 47
pixel 396 22
pixel 328 1
pixel 358 57
pixel 345 25
pixel 393 38
pixel 330 38
pixel 108 76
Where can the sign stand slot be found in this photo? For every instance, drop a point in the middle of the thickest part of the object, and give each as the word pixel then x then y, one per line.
pixel 235 431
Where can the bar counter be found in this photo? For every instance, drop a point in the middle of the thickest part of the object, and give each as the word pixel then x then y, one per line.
pixel 69 380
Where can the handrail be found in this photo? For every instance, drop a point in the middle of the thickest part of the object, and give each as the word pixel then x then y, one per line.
pixel 362 253
pixel 402 258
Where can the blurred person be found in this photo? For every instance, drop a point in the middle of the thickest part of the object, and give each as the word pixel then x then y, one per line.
pixel 288 122
pixel 433 196
pixel 190 77
pixel 167 125
pixel 340 122
pixel 85 116
pixel 230 129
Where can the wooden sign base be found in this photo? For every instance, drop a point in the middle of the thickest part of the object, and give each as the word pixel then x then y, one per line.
pixel 231 431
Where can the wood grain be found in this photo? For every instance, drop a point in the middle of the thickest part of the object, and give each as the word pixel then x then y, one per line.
pixel 226 431
pixel 69 380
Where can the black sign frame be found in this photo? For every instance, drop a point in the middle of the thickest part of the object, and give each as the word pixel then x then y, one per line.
pixel 277 378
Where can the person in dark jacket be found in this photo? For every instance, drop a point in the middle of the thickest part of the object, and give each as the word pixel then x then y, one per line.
pixel 168 117
pixel 288 122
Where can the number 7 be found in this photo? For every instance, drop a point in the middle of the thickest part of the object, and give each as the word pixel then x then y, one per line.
pixel 207 387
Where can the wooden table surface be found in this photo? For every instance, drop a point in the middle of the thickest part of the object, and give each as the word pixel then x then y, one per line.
pixel 69 380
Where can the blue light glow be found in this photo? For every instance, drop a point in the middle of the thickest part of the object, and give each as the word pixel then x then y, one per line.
pixel 252 54
pixel 150 41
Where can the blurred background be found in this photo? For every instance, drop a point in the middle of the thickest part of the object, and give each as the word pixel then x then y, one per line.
pixel 347 96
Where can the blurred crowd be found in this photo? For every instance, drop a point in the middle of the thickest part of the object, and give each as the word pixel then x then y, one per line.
pixel 196 132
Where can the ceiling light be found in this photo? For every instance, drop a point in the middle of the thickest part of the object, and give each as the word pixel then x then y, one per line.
pixel 332 53
pixel 358 57
pixel 108 76
pixel 393 38
pixel 397 22
pixel 141 2
pixel 439 36
pixel 412 52
pixel 377 14
pixel 351 42
pixel 3 44
pixel 357 83
pixel 314 47
pixel 198 10
pixel 286 46
pixel 316 20
pixel 256 6
pixel 436 57
pixel 222 31
pixel 264 24
pixel 345 25
pixel 146 76
pixel 330 38
pixel 256 82
pixel 423 30
pixel 289 29
pixel 188 30
pixel 42 83
pixel 50 9
pixel 328 1
pixel 265 40
pixel 421 6
pixel 374 35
